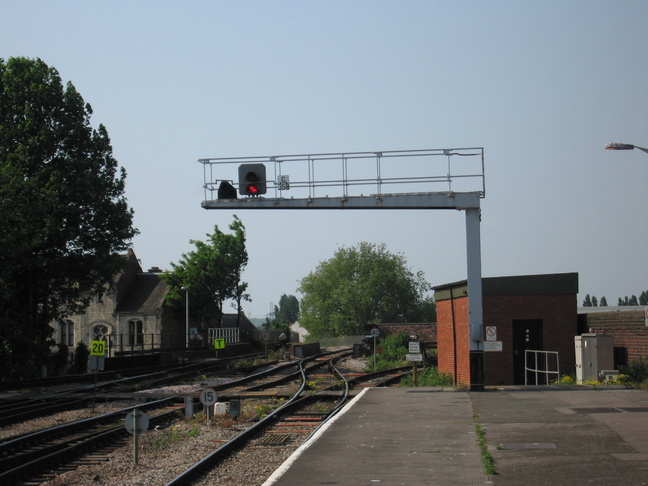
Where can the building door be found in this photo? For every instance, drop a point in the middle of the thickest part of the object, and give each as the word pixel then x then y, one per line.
pixel 527 334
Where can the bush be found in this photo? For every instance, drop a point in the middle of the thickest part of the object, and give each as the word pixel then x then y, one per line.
pixel 428 377
pixel 61 359
pixel 635 374
pixel 565 380
pixel 81 355
pixel 395 348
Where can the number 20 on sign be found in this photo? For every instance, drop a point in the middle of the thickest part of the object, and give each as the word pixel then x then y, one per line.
pixel 98 348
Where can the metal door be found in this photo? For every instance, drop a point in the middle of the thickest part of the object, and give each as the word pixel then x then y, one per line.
pixel 527 334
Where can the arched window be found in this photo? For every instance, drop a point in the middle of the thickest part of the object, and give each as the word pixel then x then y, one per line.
pixel 100 332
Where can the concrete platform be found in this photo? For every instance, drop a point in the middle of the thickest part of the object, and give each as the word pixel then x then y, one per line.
pixel 426 436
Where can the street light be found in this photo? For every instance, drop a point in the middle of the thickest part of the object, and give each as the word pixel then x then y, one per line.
pixel 186 290
pixel 623 146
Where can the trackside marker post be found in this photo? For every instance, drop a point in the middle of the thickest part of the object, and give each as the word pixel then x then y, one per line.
pixel 97 362
pixel 208 397
pixel 136 422
pixel 375 332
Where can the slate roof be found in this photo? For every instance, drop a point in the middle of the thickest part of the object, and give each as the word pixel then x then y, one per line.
pixel 229 320
pixel 145 295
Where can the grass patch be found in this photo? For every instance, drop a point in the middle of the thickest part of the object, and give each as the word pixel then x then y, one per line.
pixel 487 458
pixel 165 438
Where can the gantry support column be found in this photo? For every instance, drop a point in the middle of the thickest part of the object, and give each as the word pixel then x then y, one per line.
pixel 475 312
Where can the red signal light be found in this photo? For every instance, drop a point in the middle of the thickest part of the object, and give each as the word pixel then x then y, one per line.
pixel 252 179
pixel 253 189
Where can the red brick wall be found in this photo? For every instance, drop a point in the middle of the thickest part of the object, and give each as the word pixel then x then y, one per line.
pixel 453 339
pixel 559 327
pixel 426 332
pixel 557 312
pixel 628 329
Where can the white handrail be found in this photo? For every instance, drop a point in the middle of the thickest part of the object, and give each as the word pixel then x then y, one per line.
pixel 546 371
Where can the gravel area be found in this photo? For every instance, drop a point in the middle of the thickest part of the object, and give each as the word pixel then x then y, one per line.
pixel 60 418
pixel 165 453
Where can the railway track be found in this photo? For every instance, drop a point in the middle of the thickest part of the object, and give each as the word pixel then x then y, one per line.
pixel 314 401
pixel 107 376
pixel 318 399
pixel 14 410
pixel 58 448
pixel 24 456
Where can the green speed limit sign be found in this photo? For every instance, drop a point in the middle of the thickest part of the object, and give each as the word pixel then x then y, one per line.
pixel 98 348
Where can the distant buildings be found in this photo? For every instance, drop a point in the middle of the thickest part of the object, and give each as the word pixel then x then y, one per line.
pixel 132 315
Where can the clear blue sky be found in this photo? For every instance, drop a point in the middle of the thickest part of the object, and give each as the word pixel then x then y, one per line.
pixel 542 86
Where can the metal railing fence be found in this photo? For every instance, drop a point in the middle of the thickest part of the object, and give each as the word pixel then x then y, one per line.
pixel 538 363
pixel 313 175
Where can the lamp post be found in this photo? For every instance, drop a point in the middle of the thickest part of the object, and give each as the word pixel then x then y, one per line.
pixel 623 146
pixel 186 290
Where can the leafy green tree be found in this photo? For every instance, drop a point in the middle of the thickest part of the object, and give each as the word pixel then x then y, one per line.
pixel 239 296
pixel 64 218
pixel 642 300
pixel 362 285
pixel 285 314
pixel 594 301
pixel 288 310
pixel 603 302
pixel 211 273
pixel 587 302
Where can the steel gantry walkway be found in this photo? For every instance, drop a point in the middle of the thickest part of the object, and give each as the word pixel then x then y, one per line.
pixel 406 179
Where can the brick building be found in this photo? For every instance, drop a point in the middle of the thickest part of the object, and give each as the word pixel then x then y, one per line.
pixel 426 331
pixel 521 312
pixel 628 325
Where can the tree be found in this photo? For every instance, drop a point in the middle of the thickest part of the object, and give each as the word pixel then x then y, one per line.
pixel 64 218
pixel 643 298
pixel 358 286
pixel 211 273
pixel 594 301
pixel 288 310
pixel 603 302
pixel 587 302
pixel 285 314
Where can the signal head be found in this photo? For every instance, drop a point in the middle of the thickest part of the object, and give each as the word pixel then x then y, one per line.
pixel 252 179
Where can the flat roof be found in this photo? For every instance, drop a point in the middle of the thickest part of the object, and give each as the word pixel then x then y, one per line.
pixel 544 284
pixel 611 308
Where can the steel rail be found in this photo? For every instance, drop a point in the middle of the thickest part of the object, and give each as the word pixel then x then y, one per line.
pixel 34 462
pixel 190 475
pixel 10 445
pixel 35 407
pixel 110 375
